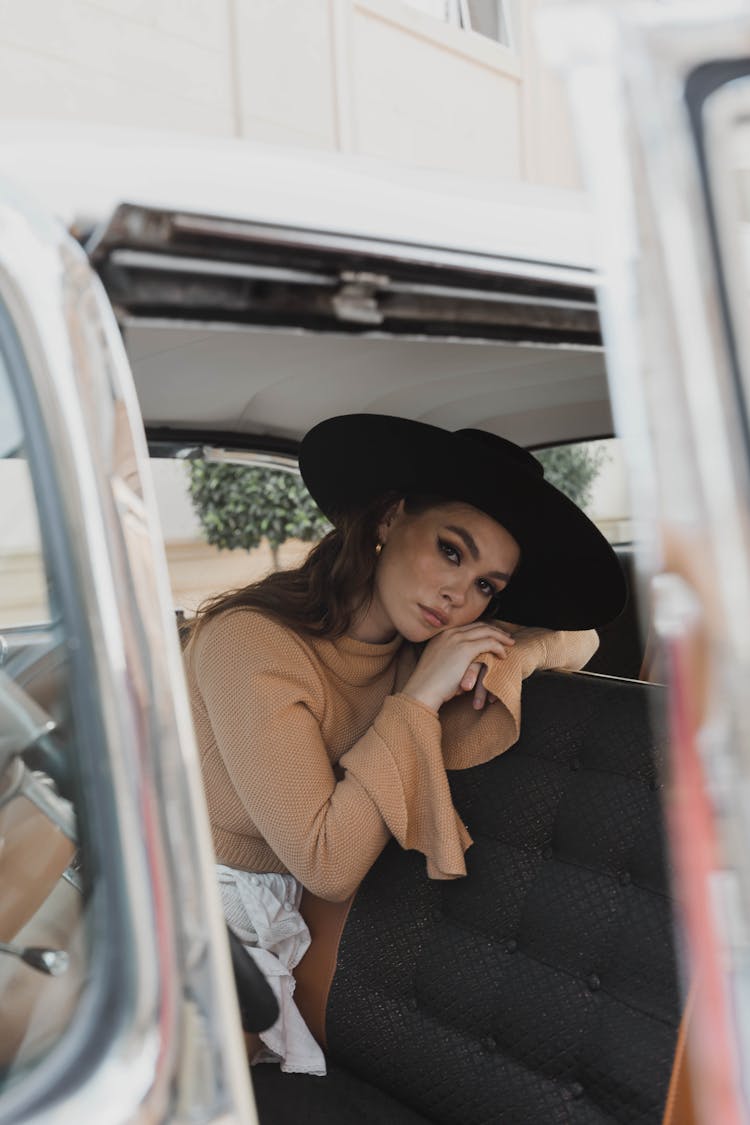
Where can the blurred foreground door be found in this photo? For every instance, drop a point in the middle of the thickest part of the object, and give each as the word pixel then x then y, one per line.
pixel 116 997
pixel 661 100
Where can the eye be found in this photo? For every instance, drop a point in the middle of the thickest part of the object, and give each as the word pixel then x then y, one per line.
pixel 449 551
pixel 486 587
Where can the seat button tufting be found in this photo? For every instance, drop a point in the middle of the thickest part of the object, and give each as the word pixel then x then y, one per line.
pixel 511 946
pixel 576 1089
pixel 547 852
pixel 575 763
pixel 489 1043
pixel 625 878
pixel 593 983
pixel 413 1005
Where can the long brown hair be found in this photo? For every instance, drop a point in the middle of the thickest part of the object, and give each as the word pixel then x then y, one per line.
pixel 322 596
pixel 334 584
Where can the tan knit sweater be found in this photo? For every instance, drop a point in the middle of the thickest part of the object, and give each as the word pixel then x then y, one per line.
pixel 312 758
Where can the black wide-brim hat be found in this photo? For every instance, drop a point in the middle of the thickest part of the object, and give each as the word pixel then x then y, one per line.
pixel 568 577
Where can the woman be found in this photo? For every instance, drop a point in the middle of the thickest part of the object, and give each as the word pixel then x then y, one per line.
pixel 330 700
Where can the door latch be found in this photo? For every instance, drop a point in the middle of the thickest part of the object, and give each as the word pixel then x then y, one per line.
pixel 356 300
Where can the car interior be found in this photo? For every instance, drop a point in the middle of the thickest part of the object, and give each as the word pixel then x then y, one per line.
pixel 428 1016
pixel 544 986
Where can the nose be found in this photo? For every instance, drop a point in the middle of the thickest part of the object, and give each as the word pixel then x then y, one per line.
pixel 454 592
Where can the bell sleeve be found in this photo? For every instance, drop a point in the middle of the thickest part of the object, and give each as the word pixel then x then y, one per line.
pixel 472 737
pixel 265 700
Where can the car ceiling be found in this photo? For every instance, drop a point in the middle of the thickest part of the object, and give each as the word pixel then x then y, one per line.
pixel 276 383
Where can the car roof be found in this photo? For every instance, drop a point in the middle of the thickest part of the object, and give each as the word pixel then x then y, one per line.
pixel 82 172
pixel 207 370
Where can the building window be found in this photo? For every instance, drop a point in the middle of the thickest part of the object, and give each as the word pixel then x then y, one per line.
pixel 487 17
pixel 490 18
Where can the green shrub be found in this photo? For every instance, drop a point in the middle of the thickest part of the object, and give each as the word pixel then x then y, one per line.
pixel 240 505
pixel 573 468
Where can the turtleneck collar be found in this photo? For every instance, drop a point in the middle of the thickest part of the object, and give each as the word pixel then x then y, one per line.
pixel 357 662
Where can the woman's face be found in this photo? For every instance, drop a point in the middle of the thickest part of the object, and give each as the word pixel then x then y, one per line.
pixel 436 570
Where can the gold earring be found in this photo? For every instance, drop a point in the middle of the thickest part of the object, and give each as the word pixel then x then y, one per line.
pixel 378 548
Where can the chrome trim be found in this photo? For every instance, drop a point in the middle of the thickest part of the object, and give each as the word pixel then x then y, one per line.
pixel 41 791
pixel 173 263
pixel 490 296
pixel 172 939
pixel 22 721
pixel 397 251
pixel 72 874
pixel 619 679
pixel 249 457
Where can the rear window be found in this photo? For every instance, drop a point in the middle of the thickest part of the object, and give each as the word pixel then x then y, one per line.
pixel 592 473
pixel 226 524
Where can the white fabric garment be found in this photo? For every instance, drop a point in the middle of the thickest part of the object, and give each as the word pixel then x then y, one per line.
pixel 263 911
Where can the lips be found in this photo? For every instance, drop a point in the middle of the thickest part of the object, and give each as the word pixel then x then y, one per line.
pixel 433 616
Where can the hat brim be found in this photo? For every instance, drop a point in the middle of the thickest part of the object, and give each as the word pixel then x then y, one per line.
pixel 569 576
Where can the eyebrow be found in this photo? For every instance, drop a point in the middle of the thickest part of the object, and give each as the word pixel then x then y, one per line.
pixel 473 550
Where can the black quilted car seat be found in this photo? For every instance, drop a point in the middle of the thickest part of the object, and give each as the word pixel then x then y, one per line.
pixel 542 988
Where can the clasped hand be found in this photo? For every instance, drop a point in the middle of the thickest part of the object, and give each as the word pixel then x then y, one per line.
pixel 449 666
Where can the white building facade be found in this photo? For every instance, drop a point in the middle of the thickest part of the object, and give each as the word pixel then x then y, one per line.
pixel 412 81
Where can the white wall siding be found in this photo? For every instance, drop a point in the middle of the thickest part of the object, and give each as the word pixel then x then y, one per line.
pixel 375 77
pixel 285 67
pixel 161 65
